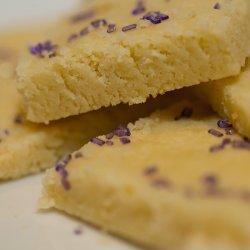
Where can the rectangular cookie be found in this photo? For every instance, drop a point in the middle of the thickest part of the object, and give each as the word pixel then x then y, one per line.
pixel 27 148
pixel 125 51
pixel 173 181
pixel 230 97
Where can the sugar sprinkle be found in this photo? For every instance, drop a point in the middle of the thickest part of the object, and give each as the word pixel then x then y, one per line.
pixel 215 133
pixel 210 180
pixel 97 141
pixel 216 148
pixel 150 170
pixel 78 230
pixel 72 38
pixel 155 17
pixel 111 28
pixel 139 9
pixel 18 119
pixel 129 27
pixel 217 6
pixel 84 31
pixel 185 113
pixel 61 169
pixel 224 123
pixel 98 23
pixel 78 155
pixel 122 131
pixel 109 143
pixel 240 144
pixel 43 49
pixel 229 131
pixel 125 140
pixel 110 136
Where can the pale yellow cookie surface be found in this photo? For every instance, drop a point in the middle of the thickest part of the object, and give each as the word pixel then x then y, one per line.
pixel 27 148
pixel 200 41
pixel 231 98
pixel 165 189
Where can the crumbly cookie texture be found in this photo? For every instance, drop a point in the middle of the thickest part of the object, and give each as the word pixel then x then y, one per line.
pixel 230 97
pixel 173 180
pixel 27 148
pixel 125 51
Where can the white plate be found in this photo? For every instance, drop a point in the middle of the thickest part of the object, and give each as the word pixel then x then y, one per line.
pixel 21 226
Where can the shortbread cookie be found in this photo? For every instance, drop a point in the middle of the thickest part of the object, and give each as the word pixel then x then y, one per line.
pixel 171 181
pixel 125 51
pixel 27 148
pixel 230 98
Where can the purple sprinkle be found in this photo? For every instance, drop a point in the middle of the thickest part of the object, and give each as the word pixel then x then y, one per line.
pixel 210 180
pixel 150 170
pixel 67 159
pixel 155 20
pixel 62 172
pixel 215 133
pixel 140 8
pixel 78 155
pixel 109 143
pixel 66 184
pixel 110 136
pixel 216 148
pixel 72 38
pixel 98 23
pixel 84 31
pixel 161 183
pixel 226 141
pixel 111 28
pixel 18 119
pixel 83 16
pixel 155 17
pixel 224 123
pixel 78 231
pixel 61 169
pixel 6 132
pixel 228 131
pixel 240 144
pixel 217 6
pixel 122 131
pixel 37 49
pixel 41 48
pixel 59 166
pixel 125 140
pixel 221 146
pixel 129 27
pixel 48 46
pixel 97 141
pixel 186 113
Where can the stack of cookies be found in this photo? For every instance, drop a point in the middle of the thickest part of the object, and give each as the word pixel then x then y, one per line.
pixel 141 111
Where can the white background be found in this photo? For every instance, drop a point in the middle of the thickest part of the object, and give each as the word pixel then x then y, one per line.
pixel 18 12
